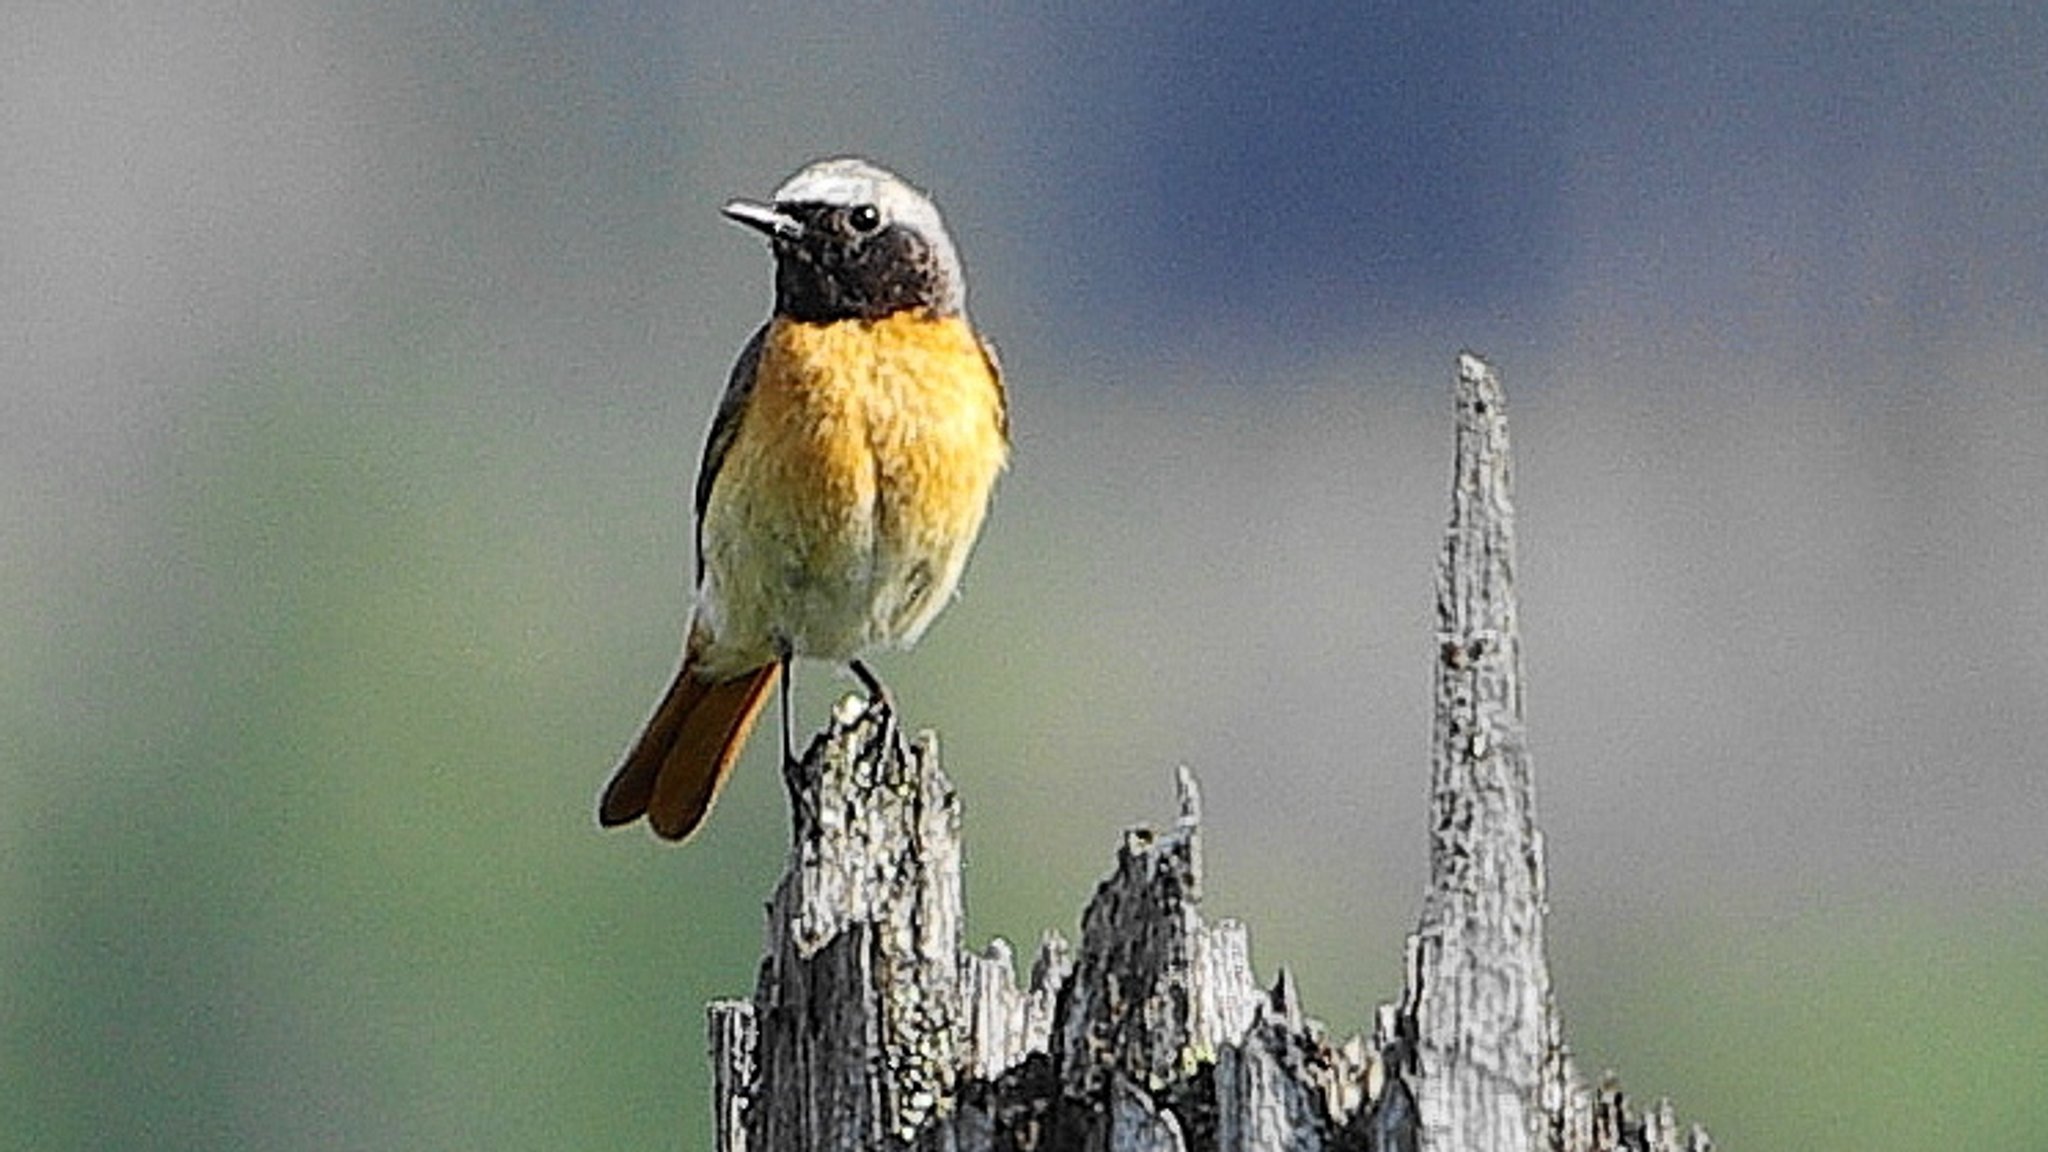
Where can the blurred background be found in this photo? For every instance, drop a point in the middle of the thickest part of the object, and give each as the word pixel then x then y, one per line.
pixel 356 362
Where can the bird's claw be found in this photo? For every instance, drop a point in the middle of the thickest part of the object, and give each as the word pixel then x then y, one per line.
pixel 882 706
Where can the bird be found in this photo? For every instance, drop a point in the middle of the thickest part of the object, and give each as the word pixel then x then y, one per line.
pixel 847 473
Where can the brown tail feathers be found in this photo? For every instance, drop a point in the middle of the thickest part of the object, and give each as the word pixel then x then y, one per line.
pixel 683 757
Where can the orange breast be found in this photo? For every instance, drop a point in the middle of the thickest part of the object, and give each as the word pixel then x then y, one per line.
pixel 856 483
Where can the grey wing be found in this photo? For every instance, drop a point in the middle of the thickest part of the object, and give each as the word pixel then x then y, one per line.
pixel 724 426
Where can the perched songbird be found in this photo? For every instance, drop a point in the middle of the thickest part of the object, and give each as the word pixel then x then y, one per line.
pixel 844 482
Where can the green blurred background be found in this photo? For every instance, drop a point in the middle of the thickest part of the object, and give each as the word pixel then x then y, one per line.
pixel 356 360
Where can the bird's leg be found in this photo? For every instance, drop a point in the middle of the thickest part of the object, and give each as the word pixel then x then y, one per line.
pixel 881 700
pixel 788 740
pixel 803 795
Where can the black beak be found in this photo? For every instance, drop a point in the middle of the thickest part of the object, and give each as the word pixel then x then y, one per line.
pixel 766 219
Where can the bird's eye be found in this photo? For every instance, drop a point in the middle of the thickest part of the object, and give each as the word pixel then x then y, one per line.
pixel 864 218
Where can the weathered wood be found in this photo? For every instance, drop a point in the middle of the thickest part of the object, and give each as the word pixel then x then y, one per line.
pixel 732 1071
pixel 1482 994
pixel 872 1028
pixel 856 1005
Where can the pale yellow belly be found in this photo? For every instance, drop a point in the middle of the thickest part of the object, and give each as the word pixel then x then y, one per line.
pixel 843 514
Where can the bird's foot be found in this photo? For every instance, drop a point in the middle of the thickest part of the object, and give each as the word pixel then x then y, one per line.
pixel 882 704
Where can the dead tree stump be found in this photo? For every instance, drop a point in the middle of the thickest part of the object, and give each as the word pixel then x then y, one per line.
pixel 872 1029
